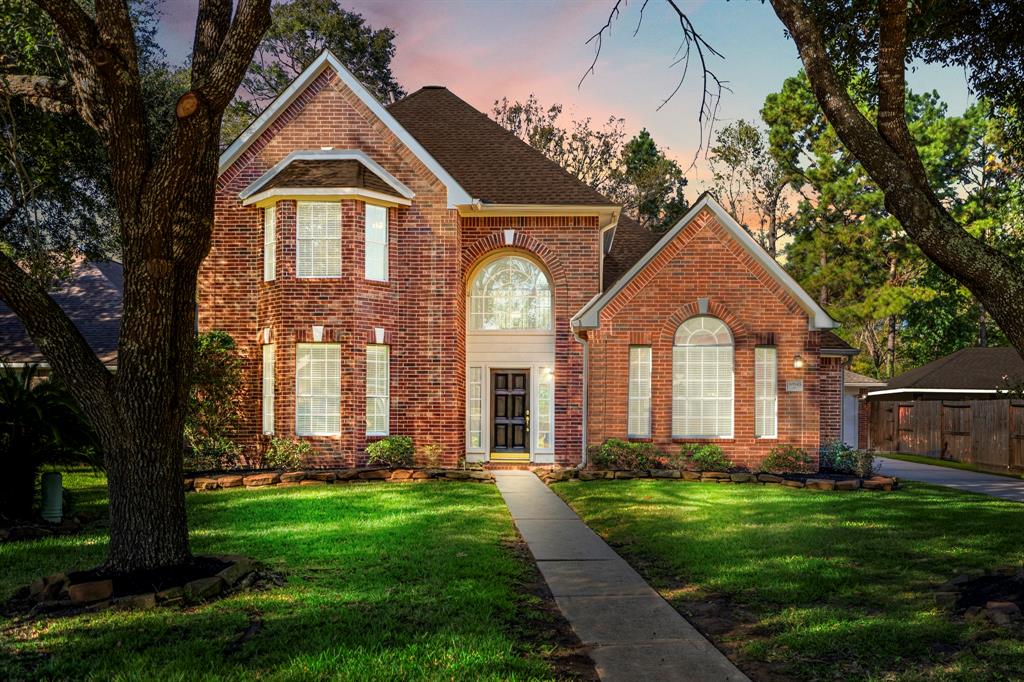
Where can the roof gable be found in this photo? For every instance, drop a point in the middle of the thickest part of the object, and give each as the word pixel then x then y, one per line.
pixel 456 194
pixel 494 165
pixel 589 316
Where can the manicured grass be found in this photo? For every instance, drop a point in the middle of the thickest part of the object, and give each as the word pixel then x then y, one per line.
pixel 383 582
pixel 948 463
pixel 823 585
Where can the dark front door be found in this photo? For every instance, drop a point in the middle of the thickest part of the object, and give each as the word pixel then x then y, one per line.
pixel 511 410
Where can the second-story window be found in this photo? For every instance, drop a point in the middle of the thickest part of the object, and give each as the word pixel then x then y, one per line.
pixel 376 243
pixel 318 239
pixel 269 243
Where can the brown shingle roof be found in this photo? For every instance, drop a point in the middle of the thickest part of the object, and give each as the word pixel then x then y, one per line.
pixel 830 341
pixel 326 173
pixel 632 241
pixel 967 369
pixel 91 298
pixel 489 162
pixel 851 378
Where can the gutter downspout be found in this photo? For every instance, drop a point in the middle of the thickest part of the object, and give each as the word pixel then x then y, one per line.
pixel 586 395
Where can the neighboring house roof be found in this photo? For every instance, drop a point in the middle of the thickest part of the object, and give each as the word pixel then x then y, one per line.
pixel 631 241
pixel 327 171
pixel 491 163
pixel 456 194
pixel 91 297
pixel 589 316
pixel 971 370
pixel 854 380
pixel 832 344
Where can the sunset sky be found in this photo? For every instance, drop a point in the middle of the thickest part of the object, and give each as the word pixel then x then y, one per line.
pixel 487 49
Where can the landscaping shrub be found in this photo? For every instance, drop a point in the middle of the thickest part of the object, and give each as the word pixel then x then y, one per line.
pixel 40 424
pixel 787 459
pixel 839 457
pixel 286 453
pixel 430 455
pixel 704 457
pixel 393 451
pixel 213 404
pixel 619 454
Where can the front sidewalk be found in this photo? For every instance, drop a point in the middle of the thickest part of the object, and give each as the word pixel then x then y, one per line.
pixel 970 481
pixel 629 630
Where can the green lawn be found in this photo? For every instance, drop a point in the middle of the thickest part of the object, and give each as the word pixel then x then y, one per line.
pixel 948 463
pixel 818 585
pixel 387 582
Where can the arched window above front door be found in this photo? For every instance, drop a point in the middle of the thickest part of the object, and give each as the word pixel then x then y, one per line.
pixel 509 293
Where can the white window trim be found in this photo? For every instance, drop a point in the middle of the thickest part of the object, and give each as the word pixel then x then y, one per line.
pixel 270 243
pixel 268 388
pixel 758 399
pixel 543 374
pixel 480 401
pixel 385 243
pixel 387 388
pixel 629 391
pixel 298 241
pixel 732 387
pixel 316 433
pixel 501 255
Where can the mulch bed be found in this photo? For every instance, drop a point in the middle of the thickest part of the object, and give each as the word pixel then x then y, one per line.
pixel 33 529
pixel 816 481
pixel 995 597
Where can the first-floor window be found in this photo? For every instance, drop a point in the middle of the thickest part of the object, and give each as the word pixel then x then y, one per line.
pixel 702 379
pixel 317 389
pixel 639 392
pixel 268 389
pixel 545 409
pixel 476 401
pixel 765 392
pixel 378 402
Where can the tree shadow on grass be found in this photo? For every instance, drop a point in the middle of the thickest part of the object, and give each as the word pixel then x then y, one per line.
pixel 837 577
pixel 396 582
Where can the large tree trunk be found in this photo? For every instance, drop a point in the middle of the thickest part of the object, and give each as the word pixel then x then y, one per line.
pixel 890 158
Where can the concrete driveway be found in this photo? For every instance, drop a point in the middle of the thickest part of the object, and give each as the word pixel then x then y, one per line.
pixel 985 484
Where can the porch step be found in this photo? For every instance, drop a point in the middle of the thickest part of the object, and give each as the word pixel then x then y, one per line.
pixel 509 466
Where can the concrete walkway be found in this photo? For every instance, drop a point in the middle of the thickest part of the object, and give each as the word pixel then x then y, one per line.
pixel 630 632
pixel 985 484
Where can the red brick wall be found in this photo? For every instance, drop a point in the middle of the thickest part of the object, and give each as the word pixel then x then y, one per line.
pixel 831 399
pixel 418 307
pixel 704 261
pixel 569 249
pixel 863 422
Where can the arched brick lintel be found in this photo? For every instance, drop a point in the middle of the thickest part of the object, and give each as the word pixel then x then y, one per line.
pixel 481 248
pixel 715 309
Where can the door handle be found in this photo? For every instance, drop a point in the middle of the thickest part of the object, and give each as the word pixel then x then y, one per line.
pixel 527 419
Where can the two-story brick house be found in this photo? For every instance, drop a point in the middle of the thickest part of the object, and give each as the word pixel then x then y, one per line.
pixel 418 270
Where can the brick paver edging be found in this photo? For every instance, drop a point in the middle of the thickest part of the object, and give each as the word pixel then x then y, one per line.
pixel 333 476
pixel 886 483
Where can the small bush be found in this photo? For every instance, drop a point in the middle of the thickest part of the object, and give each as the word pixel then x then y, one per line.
pixel 214 404
pixel 430 455
pixel 839 457
pixel 704 457
pixel 393 451
pixel 787 459
pixel 620 454
pixel 286 453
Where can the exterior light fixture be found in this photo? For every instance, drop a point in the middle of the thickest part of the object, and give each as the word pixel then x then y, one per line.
pixel 798 361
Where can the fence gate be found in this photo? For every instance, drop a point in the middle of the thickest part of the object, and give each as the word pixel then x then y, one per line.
pixel 956 431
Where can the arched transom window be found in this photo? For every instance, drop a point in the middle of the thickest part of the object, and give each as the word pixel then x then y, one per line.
pixel 702 379
pixel 510 292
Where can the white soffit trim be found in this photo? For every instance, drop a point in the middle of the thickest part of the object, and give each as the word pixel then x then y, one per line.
pixel 329 155
pixel 894 391
pixel 325 194
pixel 456 194
pixel 589 316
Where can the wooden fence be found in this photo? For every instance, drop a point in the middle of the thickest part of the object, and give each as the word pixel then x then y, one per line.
pixel 986 433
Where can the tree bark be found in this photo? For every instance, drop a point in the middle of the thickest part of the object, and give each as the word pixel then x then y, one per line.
pixel 165 208
pixel 888 155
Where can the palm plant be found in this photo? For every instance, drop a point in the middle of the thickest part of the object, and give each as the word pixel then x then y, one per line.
pixel 40 424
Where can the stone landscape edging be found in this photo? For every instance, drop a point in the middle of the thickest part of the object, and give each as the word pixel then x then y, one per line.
pixel 811 481
pixel 310 477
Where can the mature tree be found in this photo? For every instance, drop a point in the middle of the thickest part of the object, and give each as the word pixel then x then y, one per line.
pixel 300 30
pixel 162 190
pixel 636 173
pixel 750 182
pixel 653 184
pixel 590 153
pixel 837 38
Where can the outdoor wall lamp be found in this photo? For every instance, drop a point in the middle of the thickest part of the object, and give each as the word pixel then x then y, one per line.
pixel 798 361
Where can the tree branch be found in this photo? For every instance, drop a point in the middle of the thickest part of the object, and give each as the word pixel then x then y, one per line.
pixel 212 25
pixel 252 19
pixel 56 337
pixel 44 93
